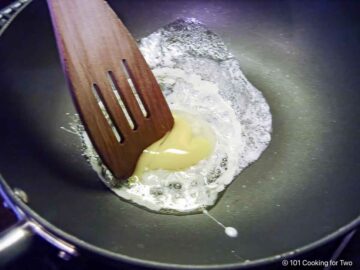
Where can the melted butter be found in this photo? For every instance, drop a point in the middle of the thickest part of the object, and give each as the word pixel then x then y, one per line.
pixel 179 149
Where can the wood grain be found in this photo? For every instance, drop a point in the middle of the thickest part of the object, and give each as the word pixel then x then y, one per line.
pixel 92 42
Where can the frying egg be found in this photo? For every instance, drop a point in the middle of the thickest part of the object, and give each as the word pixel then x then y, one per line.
pixel 222 124
pixel 185 170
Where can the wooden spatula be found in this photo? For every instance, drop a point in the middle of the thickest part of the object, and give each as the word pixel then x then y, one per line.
pixel 103 65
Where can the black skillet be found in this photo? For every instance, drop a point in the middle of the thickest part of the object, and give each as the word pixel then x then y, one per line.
pixel 304 190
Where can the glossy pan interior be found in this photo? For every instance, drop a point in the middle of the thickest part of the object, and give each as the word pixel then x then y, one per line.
pixel 303 55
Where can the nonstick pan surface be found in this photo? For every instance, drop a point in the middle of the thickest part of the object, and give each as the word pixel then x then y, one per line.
pixel 303 55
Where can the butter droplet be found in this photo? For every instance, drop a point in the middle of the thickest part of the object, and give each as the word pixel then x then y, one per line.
pixel 231 232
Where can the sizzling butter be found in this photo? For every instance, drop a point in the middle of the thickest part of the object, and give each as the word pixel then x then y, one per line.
pixel 179 149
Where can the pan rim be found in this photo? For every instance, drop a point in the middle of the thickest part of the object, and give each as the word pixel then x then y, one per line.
pixel 29 213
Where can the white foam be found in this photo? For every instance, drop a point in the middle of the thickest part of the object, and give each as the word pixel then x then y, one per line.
pixel 199 185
